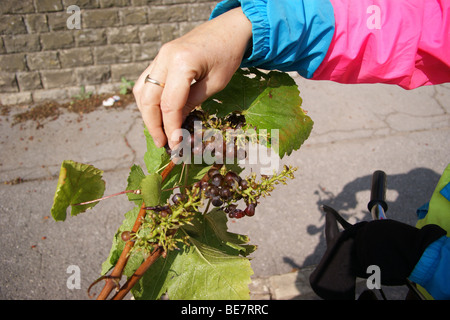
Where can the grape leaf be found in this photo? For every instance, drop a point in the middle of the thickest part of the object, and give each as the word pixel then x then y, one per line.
pixel 155 158
pixel 210 267
pixel 194 173
pixel 219 237
pixel 77 183
pixel 268 101
pixel 134 183
pixel 151 189
pixel 211 229
pixel 206 273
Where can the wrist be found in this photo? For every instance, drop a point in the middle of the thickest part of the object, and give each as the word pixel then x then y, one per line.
pixel 237 26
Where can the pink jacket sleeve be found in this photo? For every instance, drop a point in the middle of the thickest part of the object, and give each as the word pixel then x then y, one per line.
pixel 403 42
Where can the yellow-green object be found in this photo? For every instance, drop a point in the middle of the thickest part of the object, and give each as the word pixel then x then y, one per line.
pixel 438 210
pixel 439 205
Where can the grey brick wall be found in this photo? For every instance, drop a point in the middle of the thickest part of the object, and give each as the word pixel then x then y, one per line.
pixel 42 58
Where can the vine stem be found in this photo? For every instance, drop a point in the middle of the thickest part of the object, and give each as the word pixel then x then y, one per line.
pixel 106 197
pixel 138 274
pixel 116 274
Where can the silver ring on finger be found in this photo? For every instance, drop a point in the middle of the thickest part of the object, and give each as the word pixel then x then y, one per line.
pixel 158 83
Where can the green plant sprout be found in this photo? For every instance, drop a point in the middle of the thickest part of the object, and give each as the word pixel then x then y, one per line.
pixel 126 86
pixel 83 94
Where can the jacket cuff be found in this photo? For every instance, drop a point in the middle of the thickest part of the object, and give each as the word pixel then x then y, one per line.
pixel 287 35
pixel 425 269
pixel 256 12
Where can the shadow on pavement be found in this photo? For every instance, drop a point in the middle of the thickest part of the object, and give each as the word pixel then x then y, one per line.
pixel 413 189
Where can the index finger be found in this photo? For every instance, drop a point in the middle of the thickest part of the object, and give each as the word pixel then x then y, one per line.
pixel 173 102
pixel 148 98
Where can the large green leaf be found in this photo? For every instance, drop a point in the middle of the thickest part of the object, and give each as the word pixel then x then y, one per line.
pixel 205 273
pixel 210 267
pixel 77 183
pixel 268 101
pixel 211 229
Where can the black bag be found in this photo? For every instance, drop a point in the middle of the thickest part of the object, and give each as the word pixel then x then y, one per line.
pixel 393 246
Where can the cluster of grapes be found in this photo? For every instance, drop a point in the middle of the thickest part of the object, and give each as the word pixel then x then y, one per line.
pixel 232 121
pixel 208 135
pixel 224 191
pixel 162 211
pixel 159 226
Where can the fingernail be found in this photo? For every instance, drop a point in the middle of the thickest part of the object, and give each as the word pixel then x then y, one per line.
pixel 174 143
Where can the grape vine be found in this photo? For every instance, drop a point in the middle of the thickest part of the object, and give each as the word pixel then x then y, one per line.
pixel 177 232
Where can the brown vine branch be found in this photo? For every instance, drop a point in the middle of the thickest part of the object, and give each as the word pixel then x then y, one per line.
pixel 138 274
pixel 111 281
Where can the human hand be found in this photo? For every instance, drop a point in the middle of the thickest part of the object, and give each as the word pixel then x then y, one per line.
pixel 191 68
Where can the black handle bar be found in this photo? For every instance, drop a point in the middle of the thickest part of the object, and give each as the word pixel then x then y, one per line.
pixel 377 204
pixel 378 207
